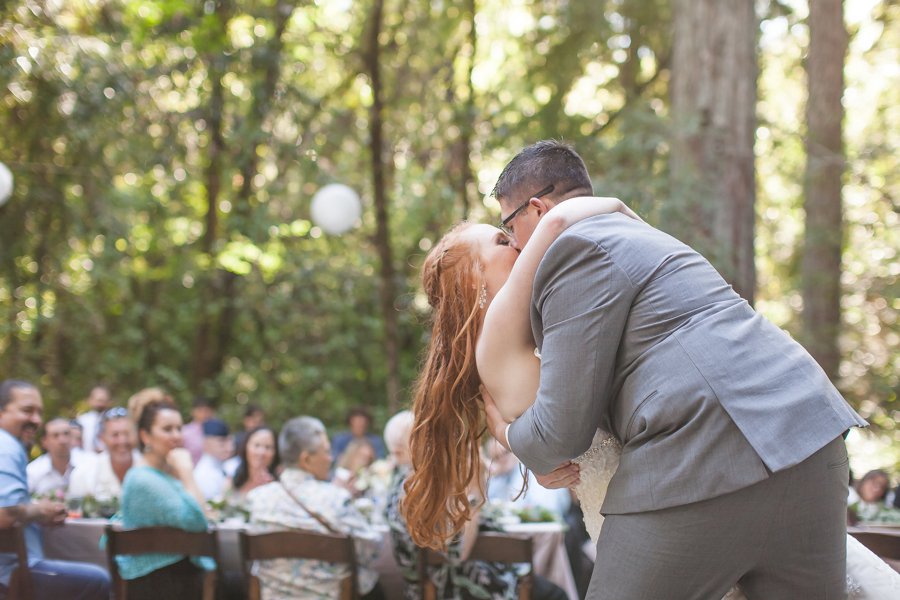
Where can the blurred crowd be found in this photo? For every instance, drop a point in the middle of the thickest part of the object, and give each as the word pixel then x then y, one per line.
pixel 140 464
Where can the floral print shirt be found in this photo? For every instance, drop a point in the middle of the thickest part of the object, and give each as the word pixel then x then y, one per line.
pixel 454 580
pixel 272 509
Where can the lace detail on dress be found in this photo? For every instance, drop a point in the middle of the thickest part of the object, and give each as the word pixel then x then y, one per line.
pixel 598 465
pixel 854 590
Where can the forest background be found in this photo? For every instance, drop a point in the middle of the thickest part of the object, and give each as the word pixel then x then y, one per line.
pixel 165 153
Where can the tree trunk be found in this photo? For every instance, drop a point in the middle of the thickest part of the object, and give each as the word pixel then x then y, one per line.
pixel 714 114
pixel 466 121
pixel 202 367
pixel 215 332
pixel 821 264
pixel 382 228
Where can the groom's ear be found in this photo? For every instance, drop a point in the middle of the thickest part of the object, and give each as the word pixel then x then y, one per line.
pixel 540 206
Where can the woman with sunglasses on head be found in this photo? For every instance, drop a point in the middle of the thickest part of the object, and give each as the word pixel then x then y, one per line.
pixel 101 476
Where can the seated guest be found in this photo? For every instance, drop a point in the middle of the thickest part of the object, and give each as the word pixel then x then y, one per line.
pixel 76 432
pixel 381 473
pixel 305 499
pixel 458 578
pixel 21 408
pixel 202 409
pixel 101 476
pixel 98 400
pixel 51 472
pixel 396 438
pixel 217 448
pixel 258 461
pixel 868 502
pixel 359 421
pixel 352 464
pixel 253 418
pixel 505 484
pixel 162 492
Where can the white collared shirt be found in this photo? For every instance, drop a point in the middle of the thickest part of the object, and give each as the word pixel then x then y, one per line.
pixel 94 476
pixel 44 479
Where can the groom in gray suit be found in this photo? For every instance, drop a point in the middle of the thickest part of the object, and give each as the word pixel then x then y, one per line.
pixel 733 467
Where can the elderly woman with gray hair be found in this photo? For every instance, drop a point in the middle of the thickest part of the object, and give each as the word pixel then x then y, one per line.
pixel 304 498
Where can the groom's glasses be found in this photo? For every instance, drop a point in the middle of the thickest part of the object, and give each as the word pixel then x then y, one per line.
pixel 504 225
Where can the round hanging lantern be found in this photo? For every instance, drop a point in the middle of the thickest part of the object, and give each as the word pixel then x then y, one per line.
pixel 6 184
pixel 335 208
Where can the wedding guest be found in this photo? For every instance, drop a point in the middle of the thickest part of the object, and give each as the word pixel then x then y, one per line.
pixel 142 398
pixel 868 501
pixel 873 487
pixel 217 448
pixel 21 410
pixel 506 484
pixel 202 409
pixel 359 421
pixel 305 499
pixel 51 472
pixel 76 431
pixel 353 461
pixel 99 400
pixel 101 476
pixel 396 437
pixel 458 578
pixel 162 492
pixel 253 418
pixel 259 461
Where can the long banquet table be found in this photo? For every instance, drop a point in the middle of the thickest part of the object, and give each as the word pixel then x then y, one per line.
pixel 79 539
pixel 892 530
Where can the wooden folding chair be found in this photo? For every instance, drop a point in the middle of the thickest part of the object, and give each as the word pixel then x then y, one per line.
pixel 309 545
pixel 489 547
pixel 881 544
pixel 12 541
pixel 160 540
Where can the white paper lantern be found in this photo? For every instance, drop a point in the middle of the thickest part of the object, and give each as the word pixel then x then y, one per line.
pixel 335 208
pixel 6 184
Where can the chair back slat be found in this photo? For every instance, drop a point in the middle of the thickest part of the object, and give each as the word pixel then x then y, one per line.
pixel 159 540
pixel 488 547
pixel 881 544
pixel 164 540
pixel 12 541
pixel 498 547
pixel 296 544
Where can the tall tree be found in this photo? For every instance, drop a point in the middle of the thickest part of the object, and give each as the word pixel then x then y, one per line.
pixel 714 111
pixel 821 264
pixel 379 189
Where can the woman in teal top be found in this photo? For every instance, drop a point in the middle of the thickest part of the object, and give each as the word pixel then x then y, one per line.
pixel 162 493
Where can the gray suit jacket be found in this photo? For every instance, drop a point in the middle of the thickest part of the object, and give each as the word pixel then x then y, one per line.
pixel 640 336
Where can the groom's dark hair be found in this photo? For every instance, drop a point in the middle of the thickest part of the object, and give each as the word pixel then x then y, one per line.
pixel 548 162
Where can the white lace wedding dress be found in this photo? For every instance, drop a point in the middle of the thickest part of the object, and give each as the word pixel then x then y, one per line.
pixel 868 577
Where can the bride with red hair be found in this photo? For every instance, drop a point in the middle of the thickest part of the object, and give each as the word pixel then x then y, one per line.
pixel 476 281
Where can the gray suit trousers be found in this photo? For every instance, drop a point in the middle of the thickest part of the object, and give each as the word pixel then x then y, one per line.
pixel 781 538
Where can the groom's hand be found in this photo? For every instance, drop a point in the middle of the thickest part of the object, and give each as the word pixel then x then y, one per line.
pixel 495 423
pixel 564 476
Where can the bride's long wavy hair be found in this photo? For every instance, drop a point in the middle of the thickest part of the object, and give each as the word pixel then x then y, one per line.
pixel 447 404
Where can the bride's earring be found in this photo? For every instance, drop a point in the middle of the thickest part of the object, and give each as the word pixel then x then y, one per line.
pixel 482 296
